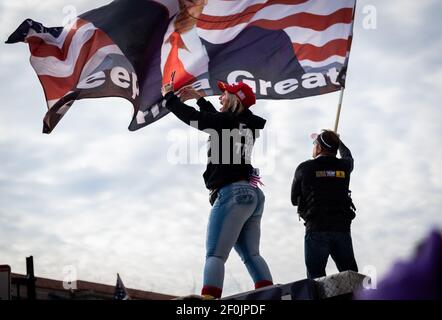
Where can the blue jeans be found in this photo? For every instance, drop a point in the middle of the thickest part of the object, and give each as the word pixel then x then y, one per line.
pixel 235 221
pixel 319 245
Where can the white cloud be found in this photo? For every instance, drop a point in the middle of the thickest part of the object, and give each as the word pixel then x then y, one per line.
pixel 408 13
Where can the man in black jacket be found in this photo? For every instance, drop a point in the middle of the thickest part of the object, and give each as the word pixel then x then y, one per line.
pixel 320 189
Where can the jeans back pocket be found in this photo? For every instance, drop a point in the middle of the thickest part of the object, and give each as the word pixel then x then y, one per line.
pixel 243 196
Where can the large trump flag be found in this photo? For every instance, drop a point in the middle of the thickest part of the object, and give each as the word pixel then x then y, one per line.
pixel 284 49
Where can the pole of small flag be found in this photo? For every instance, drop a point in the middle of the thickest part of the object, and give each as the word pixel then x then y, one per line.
pixel 30 278
pixel 338 112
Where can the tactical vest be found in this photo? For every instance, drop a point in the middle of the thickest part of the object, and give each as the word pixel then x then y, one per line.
pixel 325 191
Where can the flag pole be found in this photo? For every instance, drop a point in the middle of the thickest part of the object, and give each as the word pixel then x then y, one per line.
pixel 338 112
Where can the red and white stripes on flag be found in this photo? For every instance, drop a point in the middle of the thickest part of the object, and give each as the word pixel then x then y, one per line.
pixel 76 62
pixel 63 62
pixel 284 49
pixel 320 30
pixel 255 179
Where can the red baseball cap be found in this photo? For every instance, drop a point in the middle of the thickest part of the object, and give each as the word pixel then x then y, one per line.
pixel 241 90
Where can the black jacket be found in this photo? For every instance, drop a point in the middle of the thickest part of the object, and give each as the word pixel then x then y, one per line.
pixel 231 139
pixel 320 189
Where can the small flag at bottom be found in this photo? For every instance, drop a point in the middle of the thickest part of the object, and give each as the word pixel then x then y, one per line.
pixel 120 290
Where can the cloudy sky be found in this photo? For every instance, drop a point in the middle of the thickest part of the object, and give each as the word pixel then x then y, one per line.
pixel 97 197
